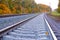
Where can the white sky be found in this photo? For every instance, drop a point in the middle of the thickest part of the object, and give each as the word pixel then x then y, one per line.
pixel 52 3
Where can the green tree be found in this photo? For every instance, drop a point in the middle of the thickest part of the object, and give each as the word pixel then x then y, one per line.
pixel 58 9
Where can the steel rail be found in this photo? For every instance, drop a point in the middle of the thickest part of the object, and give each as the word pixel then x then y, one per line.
pixel 9 28
pixel 52 33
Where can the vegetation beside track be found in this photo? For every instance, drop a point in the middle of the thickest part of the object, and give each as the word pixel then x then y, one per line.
pixel 55 15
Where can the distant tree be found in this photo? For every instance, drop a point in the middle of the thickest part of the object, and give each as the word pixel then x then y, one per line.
pixel 44 8
pixel 58 9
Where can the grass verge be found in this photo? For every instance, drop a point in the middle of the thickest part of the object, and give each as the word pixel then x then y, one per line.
pixel 55 14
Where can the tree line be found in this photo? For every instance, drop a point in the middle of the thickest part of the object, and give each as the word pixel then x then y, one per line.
pixel 21 7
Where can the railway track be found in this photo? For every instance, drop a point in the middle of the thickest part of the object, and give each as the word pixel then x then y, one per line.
pixel 54 27
pixel 34 28
pixel 5 31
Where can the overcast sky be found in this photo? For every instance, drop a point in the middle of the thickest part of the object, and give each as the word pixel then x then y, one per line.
pixel 52 3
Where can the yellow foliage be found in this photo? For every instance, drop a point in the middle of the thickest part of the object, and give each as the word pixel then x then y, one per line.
pixel 0 11
pixel 26 10
pixel 4 9
pixel 14 10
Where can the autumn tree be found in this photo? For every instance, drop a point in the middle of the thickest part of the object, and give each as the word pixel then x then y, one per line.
pixel 4 9
pixel 44 8
pixel 22 6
